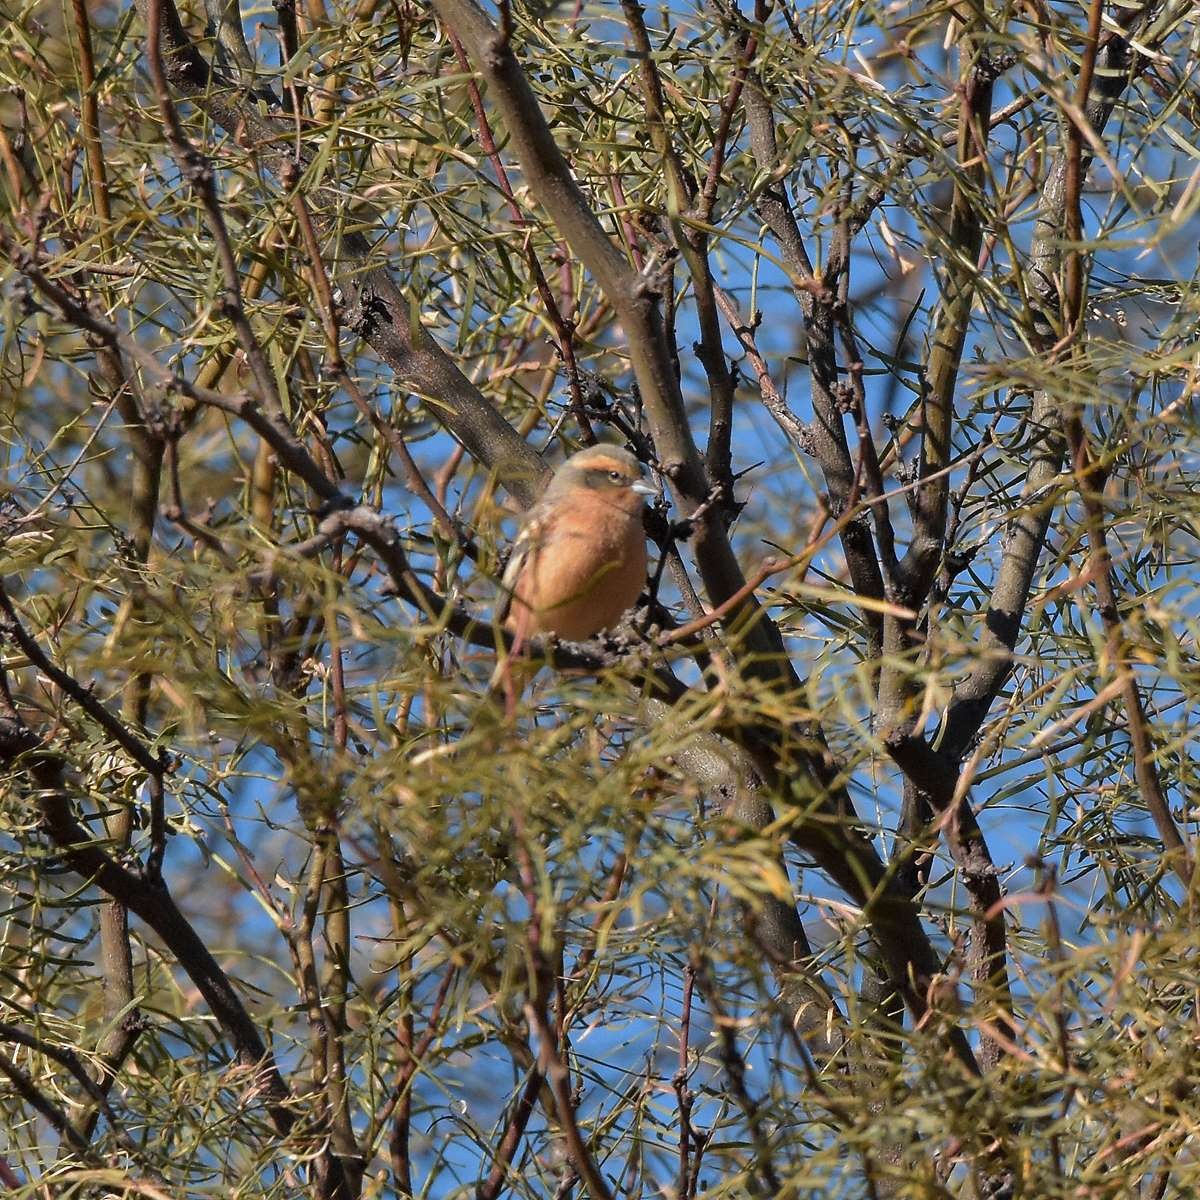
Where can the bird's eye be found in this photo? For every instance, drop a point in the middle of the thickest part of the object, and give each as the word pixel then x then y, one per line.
pixel 615 476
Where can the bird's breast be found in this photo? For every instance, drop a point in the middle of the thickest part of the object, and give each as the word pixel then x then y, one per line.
pixel 585 572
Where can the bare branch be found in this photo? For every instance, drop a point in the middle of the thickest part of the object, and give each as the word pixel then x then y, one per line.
pixel 632 296
pixel 377 309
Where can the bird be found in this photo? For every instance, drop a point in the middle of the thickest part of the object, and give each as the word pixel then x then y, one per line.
pixel 579 560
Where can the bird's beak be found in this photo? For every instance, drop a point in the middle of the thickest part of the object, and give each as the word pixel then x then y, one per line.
pixel 642 488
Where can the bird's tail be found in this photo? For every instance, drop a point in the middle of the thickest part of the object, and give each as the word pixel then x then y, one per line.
pixel 510 679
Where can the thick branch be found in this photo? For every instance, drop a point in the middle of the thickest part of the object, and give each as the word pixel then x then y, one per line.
pixel 377 309
pixel 692 242
pixel 973 697
pixel 154 905
pixel 940 781
pixel 731 780
pixel 634 300
pixel 961 253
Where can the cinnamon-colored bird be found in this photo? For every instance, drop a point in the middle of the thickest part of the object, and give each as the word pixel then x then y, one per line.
pixel 580 559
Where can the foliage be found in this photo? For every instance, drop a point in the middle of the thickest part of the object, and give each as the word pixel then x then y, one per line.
pixel 859 863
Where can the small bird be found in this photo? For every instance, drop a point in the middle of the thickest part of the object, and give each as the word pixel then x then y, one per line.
pixel 580 559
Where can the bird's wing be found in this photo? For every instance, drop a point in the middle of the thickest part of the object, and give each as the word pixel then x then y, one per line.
pixel 506 678
pixel 528 539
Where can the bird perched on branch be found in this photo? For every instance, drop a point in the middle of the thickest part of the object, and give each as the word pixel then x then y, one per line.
pixel 580 559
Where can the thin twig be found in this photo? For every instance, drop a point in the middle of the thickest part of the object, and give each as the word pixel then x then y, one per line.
pixel 11 628
pixel 550 1059
pixel 564 328
pixel 198 171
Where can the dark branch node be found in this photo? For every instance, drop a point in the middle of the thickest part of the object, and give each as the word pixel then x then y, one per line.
pixel 339 503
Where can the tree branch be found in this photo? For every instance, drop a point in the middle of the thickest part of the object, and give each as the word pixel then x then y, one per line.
pixel 825 437
pixel 376 308
pixel 147 898
pixel 973 697
pixel 964 237
pixel 633 299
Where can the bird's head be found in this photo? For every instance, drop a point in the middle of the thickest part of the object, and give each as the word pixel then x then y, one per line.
pixel 607 470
